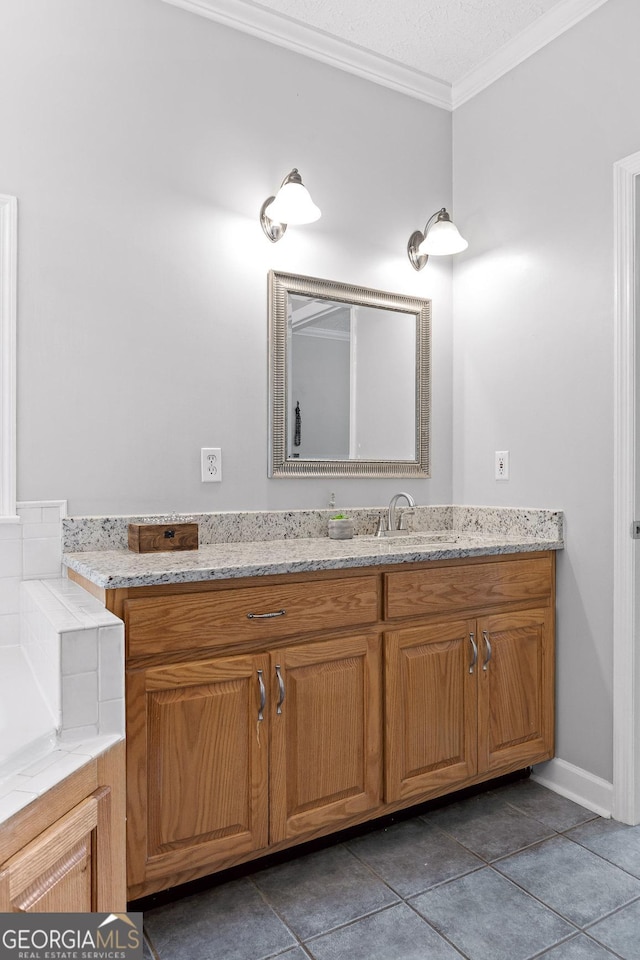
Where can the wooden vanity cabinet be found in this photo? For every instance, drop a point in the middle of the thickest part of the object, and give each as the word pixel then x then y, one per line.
pixel 468 699
pixel 265 712
pixel 231 755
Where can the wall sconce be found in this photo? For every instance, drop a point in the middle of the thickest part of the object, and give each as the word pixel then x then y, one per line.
pixel 440 237
pixel 292 204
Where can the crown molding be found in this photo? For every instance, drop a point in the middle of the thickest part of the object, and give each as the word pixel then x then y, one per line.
pixel 250 17
pixel 545 29
pixel 285 32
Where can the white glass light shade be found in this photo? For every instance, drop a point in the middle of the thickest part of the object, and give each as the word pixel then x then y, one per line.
pixel 293 204
pixel 442 238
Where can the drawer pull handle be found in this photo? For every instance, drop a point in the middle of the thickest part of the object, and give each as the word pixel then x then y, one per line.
pixel 266 616
pixel 263 697
pixel 474 647
pixel 280 689
pixel 485 637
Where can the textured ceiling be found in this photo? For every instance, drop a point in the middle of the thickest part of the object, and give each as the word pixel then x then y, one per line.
pixel 441 51
pixel 445 39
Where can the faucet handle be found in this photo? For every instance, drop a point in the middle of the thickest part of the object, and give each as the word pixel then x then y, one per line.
pixel 380 529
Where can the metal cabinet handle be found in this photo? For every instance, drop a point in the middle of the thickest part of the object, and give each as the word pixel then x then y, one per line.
pixel 266 616
pixel 474 646
pixel 263 696
pixel 281 691
pixel 485 637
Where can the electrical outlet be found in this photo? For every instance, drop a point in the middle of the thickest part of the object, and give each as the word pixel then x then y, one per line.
pixel 502 464
pixel 211 464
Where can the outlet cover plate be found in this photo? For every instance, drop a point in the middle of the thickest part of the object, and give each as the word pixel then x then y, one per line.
pixel 211 464
pixel 502 464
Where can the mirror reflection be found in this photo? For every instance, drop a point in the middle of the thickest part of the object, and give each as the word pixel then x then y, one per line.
pixel 351 393
pixel 349 380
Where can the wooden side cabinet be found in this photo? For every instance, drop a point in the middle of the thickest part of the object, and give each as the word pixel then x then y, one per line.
pixel 72 861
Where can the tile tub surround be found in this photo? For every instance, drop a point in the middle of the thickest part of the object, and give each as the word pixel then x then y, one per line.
pixel 69 668
pixel 29 550
pixel 509 531
pixel 27 722
pixel 76 651
pixel 36 776
pixel 80 534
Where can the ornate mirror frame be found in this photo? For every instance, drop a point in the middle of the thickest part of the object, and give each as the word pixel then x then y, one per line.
pixel 280 286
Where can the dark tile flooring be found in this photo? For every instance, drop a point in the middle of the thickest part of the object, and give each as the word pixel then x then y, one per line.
pixel 514 873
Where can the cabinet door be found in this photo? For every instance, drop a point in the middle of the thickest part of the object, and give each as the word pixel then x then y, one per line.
pixel 430 708
pixel 515 689
pixel 197 765
pixel 56 872
pixel 326 734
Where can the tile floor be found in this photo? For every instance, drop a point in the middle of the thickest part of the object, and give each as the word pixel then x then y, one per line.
pixel 514 873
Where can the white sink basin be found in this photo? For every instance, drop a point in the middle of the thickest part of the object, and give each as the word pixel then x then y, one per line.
pixel 417 539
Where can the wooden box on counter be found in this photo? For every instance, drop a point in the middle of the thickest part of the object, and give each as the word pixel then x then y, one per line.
pixel 158 537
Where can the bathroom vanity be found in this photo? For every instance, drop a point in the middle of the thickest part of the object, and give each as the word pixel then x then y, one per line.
pixel 266 708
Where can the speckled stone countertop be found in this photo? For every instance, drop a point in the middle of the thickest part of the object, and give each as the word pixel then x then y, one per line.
pixel 474 532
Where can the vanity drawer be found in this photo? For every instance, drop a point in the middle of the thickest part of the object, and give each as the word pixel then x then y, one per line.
pixel 223 617
pixel 467 587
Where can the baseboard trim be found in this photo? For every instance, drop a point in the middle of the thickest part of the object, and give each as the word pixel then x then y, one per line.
pixel 576 784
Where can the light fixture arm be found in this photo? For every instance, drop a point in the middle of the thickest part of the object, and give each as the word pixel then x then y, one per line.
pixel 419 260
pixel 275 231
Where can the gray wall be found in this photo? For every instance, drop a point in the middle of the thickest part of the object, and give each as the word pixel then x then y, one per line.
pixel 533 186
pixel 141 141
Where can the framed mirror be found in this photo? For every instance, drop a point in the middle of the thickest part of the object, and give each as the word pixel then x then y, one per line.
pixel 349 380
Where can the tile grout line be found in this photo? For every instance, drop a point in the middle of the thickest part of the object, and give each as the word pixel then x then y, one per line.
pixel 263 897
pixel 439 883
pixel 556 911
pixel 576 931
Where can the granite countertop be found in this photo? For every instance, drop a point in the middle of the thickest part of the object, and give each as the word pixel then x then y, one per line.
pixel 113 569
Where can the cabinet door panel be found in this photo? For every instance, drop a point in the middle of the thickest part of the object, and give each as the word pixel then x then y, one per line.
pixel 326 763
pixel 54 873
pixel 515 708
pixel 197 766
pixel 430 700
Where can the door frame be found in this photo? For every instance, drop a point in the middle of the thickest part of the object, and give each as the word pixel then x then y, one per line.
pixel 626 662
pixel 8 301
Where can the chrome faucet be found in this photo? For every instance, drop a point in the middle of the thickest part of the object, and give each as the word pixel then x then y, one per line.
pixel 391 512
